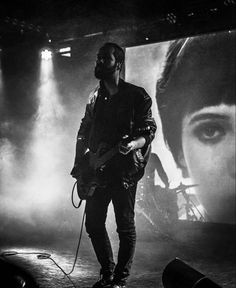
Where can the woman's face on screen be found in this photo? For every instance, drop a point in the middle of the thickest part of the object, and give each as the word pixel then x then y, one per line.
pixel 208 154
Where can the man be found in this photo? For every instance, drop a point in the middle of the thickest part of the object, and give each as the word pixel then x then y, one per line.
pixel 154 164
pixel 157 204
pixel 116 109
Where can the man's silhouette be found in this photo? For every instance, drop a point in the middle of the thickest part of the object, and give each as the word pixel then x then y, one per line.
pixel 154 164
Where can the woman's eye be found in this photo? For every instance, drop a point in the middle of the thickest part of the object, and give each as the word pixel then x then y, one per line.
pixel 209 132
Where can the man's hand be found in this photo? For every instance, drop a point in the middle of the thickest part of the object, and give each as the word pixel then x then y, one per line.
pixel 125 148
pixel 132 145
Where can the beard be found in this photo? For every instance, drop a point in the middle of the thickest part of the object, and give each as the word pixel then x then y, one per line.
pixel 103 73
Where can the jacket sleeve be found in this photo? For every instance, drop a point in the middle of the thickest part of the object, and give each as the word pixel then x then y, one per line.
pixel 82 141
pixel 84 130
pixel 82 136
pixel 144 123
pixel 85 125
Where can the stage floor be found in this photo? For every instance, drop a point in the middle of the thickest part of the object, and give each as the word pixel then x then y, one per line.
pixel 208 248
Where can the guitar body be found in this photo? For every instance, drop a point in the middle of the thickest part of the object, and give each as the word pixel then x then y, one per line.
pixel 89 178
pixel 110 166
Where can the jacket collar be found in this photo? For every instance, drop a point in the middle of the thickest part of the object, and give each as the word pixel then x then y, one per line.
pixel 120 84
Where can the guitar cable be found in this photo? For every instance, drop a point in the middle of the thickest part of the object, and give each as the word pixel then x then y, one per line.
pixel 41 255
pixel 72 197
pixel 81 228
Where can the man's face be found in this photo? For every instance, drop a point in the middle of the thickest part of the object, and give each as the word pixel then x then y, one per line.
pixel 106 63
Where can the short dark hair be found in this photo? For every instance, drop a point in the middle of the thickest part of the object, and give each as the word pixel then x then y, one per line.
pixel 119 52
pixel 199 72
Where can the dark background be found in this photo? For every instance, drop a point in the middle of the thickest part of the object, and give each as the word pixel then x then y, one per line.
pixel 35 21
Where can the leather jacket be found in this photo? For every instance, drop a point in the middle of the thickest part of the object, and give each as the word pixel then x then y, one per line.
pixel 132 116
pixel 133 111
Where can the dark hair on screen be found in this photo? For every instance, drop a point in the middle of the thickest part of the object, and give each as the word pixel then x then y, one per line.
pixel 199 72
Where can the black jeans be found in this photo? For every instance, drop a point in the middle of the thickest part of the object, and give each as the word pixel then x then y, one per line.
pixel 96 212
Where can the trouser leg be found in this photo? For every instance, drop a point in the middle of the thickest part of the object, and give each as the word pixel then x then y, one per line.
pixel 96 213
pixel 124 201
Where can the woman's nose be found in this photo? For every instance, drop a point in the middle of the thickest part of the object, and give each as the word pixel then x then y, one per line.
pixel 231 167
pixel 231 158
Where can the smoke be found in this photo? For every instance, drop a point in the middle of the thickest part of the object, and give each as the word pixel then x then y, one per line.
pixel 37 145
pixel 41 113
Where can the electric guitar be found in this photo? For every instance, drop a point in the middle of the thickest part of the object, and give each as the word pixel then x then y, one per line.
pixel 94 165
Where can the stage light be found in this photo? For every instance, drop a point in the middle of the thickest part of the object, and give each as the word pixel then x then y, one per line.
pixel 66 55
pixel 178 274
pixel 46 54
pixel 171 18
pixel 229 2
pixel 66 51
